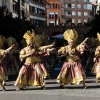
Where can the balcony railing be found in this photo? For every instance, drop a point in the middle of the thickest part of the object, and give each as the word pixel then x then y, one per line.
pixel 37 3
pixel 38 15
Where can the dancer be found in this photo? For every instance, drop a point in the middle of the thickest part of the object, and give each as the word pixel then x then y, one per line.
pixel 32 72
pixel 97 61
pixel 72 71
pixel 3 70
pixel 13 66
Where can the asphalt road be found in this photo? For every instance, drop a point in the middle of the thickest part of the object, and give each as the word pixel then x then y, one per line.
pixel 70 92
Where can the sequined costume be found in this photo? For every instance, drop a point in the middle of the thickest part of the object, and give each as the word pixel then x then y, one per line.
pixel 72 71
pixel 33 71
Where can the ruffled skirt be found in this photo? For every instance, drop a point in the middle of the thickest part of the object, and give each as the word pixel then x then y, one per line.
pixel 71 72
pixel 31 74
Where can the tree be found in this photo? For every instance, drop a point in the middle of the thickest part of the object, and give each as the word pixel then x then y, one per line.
pixel 94 25
pixel 15 27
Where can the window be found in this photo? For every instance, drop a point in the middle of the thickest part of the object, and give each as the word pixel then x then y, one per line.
pixel 85 6
pixel 79 21
pixel 73 20
pixel 89 6
pixel 86 0
pixel 85 14
pixel 73 5
pixel 78 0
pixel 79 13
pixel 51 15
pixel 68 20
pixel 68 5
pixel 78 6
pixel 51 23
pixel 57 23
pixel 91 0
pixel 73 13
pixel 68 13
pixel 85 20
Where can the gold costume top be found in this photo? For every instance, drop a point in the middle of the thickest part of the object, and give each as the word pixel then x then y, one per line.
pixel 70 53
pixel 30 59
pixel 2 55
pixel 97 51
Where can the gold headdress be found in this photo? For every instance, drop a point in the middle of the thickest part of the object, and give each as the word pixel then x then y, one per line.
pixel 70 35
pixel 98 36
pixel 29 36
pixel 2 40
pixel 10 40
pixel 38 40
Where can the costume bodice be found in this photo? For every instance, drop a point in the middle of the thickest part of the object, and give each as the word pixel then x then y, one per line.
pixel 30 59
pixel 70 53
pixel 2 55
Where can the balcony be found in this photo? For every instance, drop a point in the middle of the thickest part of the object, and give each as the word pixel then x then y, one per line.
pixel 53 9
pixel 37 15
pixel 53 1
pixel 23 3
pixel 38 3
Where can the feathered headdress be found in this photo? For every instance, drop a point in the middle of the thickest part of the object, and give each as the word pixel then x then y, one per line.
pixel 29 36
pixel 98 36
pixel 70 35
pixel 40 39
pixel 2 40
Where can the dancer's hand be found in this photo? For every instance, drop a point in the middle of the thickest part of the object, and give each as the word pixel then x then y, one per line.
pixel 12 46
pixel 94 59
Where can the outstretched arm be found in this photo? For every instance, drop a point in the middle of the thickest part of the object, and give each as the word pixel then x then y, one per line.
pixel 62 51
pixel 10 48
pixel 44 48
pixel 97 53
pixel 82 46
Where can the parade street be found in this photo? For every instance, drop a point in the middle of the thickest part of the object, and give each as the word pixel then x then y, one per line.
pixel 52 92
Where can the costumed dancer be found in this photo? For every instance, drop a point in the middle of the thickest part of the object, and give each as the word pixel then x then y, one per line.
pixel 97 61
pixel 3 67
pixel 46 49
pixel 92 42
pixel 72 71
pixel 13 66
pixel 31 73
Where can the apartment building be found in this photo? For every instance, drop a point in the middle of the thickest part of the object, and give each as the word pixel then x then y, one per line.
pixel 77 12
pixel 10 5
pixel 37 12
pixel 33 10
pixel 55 10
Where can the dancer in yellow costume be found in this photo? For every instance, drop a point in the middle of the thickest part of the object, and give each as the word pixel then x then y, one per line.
pixel 3 67
pixel 97 61
pixel 32 72
pixel 13 66
pixel 47 49
pixel 72 71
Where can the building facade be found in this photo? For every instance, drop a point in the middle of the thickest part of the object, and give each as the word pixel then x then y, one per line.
pixel 69 12
pixel 33 10
pixel 77 12
pixel 37 12
pixel 55 10
pixel 11 6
